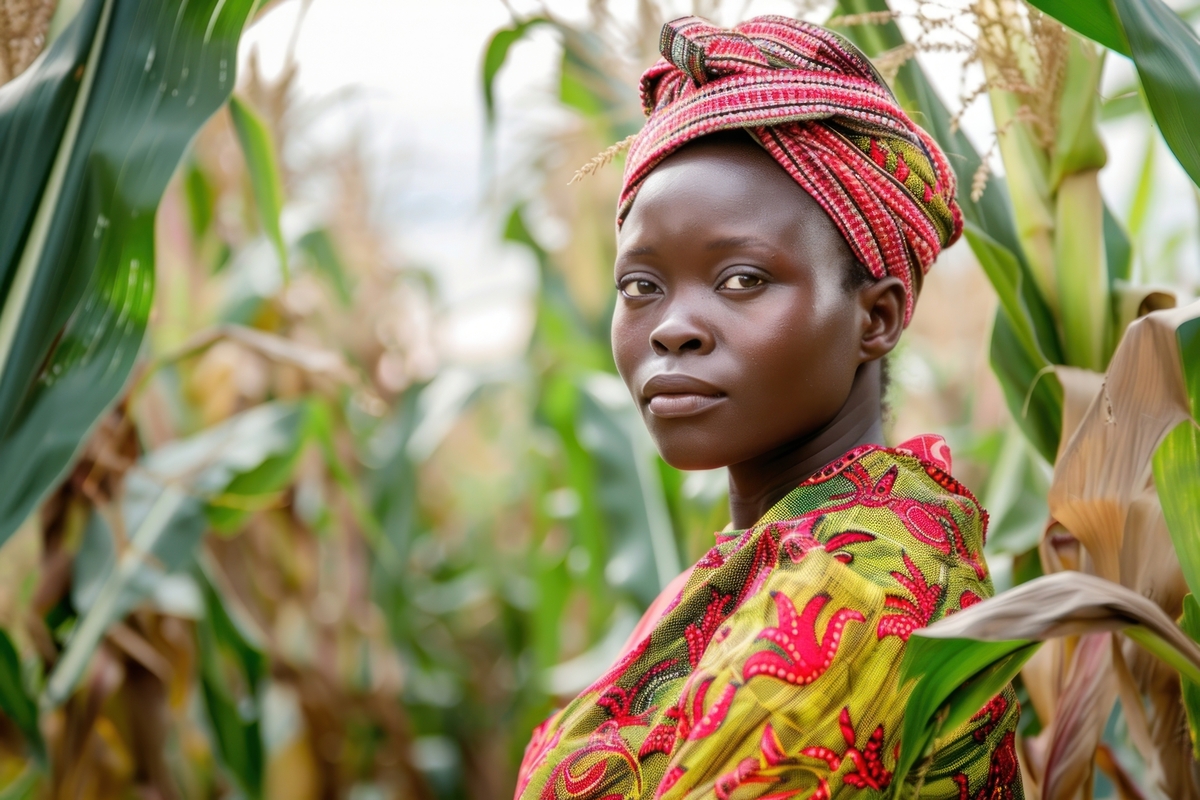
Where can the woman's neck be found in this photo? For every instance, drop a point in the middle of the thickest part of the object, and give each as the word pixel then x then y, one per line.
pixel 757 484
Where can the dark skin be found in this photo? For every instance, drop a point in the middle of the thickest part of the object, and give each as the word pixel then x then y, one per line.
pixel 735 329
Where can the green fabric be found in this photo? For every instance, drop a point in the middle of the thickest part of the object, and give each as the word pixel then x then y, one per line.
pixel 773 673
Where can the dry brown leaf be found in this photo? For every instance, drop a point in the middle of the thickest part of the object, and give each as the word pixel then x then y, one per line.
pixel 1043 678
pixel 1079 722
pixel 1149 564
pixel 1106 462
pixel 1174 772
pixel 1080 387
pixel 1064 604
pixel 1033 763
pixel 1059 550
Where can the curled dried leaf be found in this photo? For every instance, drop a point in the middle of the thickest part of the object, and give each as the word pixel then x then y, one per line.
pixel 1070 604
pixel 1104 465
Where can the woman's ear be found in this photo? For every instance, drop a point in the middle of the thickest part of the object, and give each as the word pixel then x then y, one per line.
pixel 882 302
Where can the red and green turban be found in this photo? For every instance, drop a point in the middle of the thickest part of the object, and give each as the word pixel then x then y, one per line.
pixel 819 107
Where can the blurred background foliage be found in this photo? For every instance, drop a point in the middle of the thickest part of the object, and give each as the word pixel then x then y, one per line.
pixel 305 554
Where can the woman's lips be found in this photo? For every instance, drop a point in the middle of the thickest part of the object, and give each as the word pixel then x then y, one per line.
pixel 682 405
pixel 671 394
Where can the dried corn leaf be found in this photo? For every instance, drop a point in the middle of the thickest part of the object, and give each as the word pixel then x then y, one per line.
pixel 1080 387
pixel 1071 604
pixel 1079 721
pixel 1105 464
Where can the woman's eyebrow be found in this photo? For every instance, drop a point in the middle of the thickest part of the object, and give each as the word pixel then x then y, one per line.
pixel 635 252
pixel 737 241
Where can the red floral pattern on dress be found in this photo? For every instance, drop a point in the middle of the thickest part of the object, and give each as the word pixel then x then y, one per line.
pixel 990 715
pixel 753 770
pixel 602 765
pixel 869 772
pixel 704 722
pixel 619 702
pixel 915 613
pixel 804 658
pixel 929 523
pixel 797 538
pixel 1003 776
pixel 699 633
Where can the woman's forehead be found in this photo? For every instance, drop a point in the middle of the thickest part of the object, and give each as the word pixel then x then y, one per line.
pixel 722 189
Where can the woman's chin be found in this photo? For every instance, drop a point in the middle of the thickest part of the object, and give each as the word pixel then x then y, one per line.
pixel 688 456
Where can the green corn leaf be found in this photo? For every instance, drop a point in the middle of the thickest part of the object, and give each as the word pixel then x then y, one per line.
pixel 89 138
pixel 1032 392
pixel 1177 464
pixel 262 165
pixel 1166 52
pixel 233 669
pixel 25 786
pixel 1118 251
pixel 318 247
pixel 165 513
pixel 1095 19
pixel 1191 690
pixel 164 526
pixel 200 199
pixel 15 701
pixel 497 53
pixel 589 86
pixel 1019 299
pixel 1027 176
pixel 1121 105
pixel 955 678
pixel 1078 146
pixel 1177 478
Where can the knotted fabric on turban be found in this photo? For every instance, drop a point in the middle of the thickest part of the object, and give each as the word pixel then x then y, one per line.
pixel 819 107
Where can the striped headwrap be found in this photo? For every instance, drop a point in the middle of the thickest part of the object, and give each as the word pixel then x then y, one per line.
pixel 819 107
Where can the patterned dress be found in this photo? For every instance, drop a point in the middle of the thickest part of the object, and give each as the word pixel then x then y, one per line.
pixel 774 672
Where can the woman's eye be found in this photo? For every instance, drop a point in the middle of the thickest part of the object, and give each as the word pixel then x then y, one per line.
pixel 742 281
pixel 639 288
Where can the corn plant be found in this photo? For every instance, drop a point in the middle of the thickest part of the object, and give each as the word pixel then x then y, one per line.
pixel 1099 393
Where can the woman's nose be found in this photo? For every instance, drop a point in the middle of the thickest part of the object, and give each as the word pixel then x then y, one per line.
pixel 678 334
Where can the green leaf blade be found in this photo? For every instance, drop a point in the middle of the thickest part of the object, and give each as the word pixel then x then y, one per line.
pixel 15 701
pixel 954 679
pixel 1167 53
pixel 77 316
pixel 266 180
pixel 1094 19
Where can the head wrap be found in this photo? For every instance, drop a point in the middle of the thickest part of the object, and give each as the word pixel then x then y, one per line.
pixel 820 108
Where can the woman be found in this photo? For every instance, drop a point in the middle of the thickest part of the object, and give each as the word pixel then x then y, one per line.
pixel 778 214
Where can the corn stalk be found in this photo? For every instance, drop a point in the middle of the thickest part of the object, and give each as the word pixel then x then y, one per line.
pixel 1061 265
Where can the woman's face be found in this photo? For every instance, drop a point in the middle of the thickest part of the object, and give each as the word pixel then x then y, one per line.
pixel 733 328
